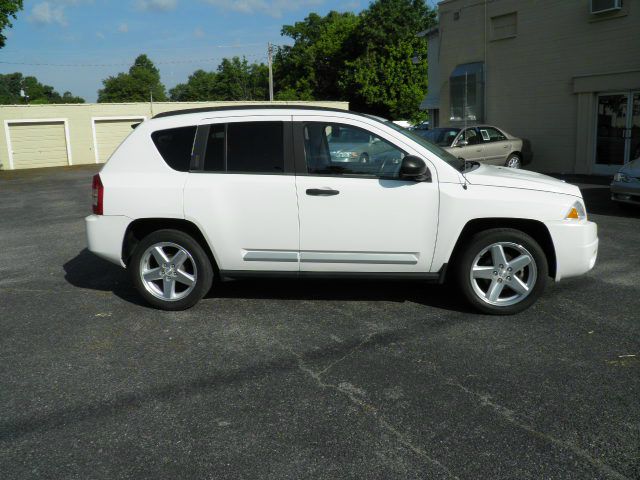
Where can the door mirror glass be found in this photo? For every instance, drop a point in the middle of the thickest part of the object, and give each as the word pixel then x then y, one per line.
pixel 414 168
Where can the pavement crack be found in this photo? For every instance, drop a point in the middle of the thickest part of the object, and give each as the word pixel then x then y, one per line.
pixel 368 408
pixel 354 349
pixel 512 417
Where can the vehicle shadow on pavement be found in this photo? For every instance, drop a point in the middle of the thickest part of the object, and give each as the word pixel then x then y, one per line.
pixel 91 272
pixel 398 291
pixel 88 271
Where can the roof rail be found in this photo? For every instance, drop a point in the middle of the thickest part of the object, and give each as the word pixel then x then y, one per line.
pixel 248 107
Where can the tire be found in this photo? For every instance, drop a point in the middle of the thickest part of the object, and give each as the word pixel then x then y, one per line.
pixel 513 161
pixel 480 272
pixel 183 263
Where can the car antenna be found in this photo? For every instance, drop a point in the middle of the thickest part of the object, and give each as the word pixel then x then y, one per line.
pixel 464 129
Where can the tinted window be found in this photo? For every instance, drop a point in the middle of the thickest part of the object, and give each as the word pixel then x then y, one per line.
pixel 342 149
pixel 442 137
pixel 175 145
pixel 214 158
pixel 255 147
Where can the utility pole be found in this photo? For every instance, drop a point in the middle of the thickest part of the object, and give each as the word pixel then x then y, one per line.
pixel 270 58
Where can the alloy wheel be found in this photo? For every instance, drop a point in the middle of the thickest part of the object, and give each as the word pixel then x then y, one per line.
pixel 503 274
pixel 168 271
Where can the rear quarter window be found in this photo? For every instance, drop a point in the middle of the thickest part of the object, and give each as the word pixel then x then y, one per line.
pixel 175 145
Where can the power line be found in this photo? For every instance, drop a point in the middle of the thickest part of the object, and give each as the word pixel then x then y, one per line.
pixel 119 64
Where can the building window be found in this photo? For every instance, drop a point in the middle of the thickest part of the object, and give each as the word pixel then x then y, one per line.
pixel 467 93
pixel 504 26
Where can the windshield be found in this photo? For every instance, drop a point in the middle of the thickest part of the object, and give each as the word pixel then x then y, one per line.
pixel 442 137
pixel 452 160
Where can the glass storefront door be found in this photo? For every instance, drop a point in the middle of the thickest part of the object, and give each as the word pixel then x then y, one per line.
pixel 618 131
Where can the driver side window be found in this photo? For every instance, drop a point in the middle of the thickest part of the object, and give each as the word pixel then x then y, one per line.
pixel 472 137
pixel 336 149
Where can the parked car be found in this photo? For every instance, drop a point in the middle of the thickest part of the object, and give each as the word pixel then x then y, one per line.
pixel 625 187
pixel 485 144
pixel 348 146
pixel 255 191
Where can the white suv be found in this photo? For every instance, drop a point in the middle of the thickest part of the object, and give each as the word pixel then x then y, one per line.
pixel 224 193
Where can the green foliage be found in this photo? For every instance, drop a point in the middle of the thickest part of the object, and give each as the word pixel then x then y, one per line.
pixel 8 10
pixel 12 83
pixel 365 59
pixel 312 67
pixel 142 81
pixel 235 79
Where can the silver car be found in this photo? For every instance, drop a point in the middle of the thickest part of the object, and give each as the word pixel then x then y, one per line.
pixel 485 144
pixel 625 187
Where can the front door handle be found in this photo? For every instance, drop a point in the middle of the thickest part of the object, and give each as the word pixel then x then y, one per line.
pixel 322 192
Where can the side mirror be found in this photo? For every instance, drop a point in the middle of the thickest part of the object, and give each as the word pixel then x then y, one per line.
pixel 414 168
pixel 462 143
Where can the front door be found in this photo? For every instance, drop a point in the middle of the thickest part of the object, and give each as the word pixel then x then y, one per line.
pixel 618 131
pixel 473 150
pixel 356 215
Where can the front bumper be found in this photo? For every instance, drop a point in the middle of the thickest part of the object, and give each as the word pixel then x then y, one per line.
pixel 105 236
pixel 626 192
pixel 576 246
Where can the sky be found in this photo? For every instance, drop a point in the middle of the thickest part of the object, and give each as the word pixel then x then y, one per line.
pixel 78 43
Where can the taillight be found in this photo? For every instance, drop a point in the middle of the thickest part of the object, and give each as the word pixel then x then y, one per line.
pixel 98 195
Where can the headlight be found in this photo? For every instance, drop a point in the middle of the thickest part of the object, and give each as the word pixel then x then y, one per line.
pixel 620 177
pixel 577 212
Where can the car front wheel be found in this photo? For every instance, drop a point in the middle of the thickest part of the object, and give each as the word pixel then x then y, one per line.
pixel 171 270
pixel 502 271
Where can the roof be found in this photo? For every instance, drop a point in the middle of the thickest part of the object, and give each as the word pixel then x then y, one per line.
pixel 252 107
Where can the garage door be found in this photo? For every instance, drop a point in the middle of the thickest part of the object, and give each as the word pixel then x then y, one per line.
pixel 110 134
pixel 36 145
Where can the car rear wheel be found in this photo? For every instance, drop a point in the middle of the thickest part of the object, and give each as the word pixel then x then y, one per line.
pixel 502 271
pixel 171 270
pixel 514 161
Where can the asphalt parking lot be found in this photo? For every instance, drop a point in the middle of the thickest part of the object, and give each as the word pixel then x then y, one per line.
pixel 311 379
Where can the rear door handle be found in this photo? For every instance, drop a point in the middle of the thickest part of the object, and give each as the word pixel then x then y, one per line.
pixel 322 192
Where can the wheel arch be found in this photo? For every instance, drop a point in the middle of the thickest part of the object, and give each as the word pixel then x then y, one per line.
pixel 140 228
pixel 534 228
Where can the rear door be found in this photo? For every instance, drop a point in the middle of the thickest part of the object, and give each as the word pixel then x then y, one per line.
pixel 241 192
pixel 496 145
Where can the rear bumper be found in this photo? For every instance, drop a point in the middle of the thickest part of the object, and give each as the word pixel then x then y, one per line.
pixel 576 246
pixel 105 236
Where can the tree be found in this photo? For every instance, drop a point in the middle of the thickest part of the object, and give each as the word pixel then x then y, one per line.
pixel 12 83
pixel 384 78
pixel 234 79
pixel 312 67
pixel 142 81
pixel 8 10
pixel 365 59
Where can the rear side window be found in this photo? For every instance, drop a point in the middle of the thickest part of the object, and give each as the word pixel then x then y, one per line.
pixel 175 145
pixel 251 147
pixel 255 147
